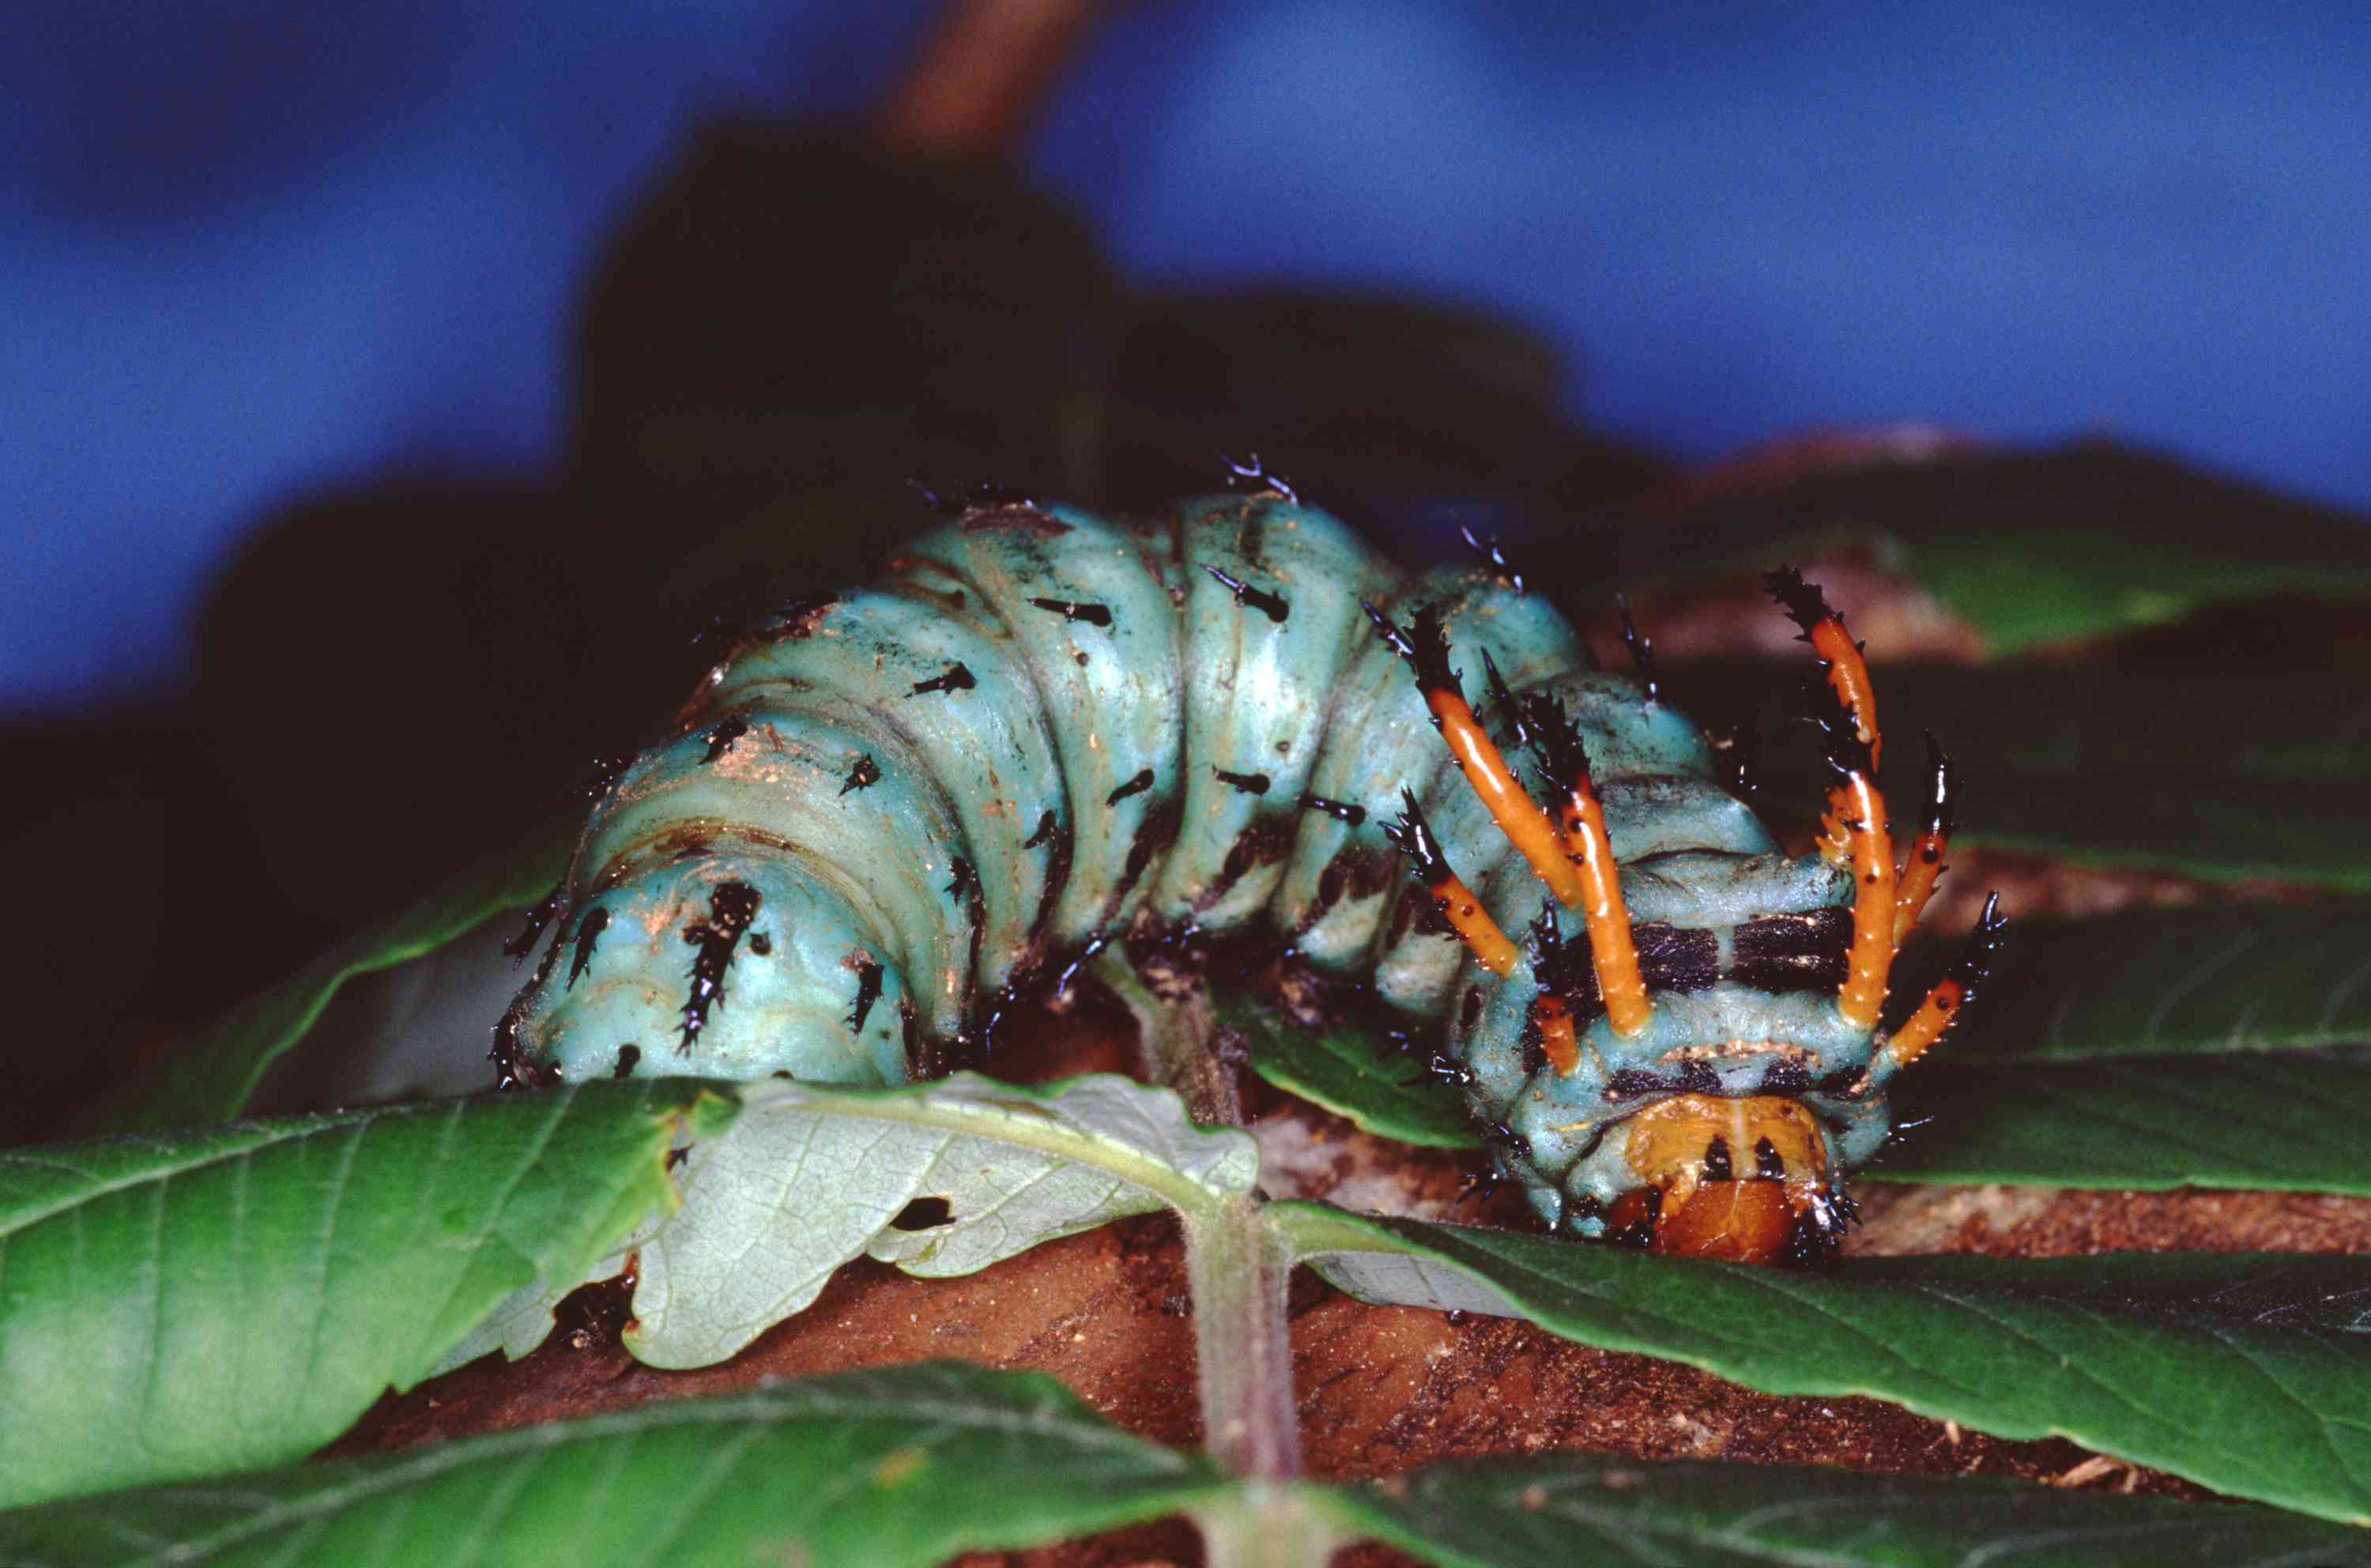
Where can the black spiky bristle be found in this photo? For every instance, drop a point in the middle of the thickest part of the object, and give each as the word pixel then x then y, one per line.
pixel 1803 602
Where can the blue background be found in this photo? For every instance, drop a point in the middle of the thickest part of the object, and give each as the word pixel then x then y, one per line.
pixel 247 250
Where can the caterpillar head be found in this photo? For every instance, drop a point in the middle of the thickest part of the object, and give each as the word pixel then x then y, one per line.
pixel 1744 1179
pixel 1723 1131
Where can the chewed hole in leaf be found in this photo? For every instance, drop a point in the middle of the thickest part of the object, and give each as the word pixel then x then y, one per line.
pixel 924 1213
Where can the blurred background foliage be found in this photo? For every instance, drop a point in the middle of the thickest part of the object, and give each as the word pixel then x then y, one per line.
pixel 867 287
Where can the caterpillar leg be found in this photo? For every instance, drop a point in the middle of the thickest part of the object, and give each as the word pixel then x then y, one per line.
pixel 1855 830
pixel 1942 1005
pixel 1922 864
pixel 1455 900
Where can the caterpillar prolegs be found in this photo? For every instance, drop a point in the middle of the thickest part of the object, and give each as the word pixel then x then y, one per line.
pixel 886 810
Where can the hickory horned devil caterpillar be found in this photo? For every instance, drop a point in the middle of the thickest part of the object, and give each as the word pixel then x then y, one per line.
pixel 886 812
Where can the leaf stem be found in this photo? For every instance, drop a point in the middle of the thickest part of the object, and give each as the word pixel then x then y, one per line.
pixel 1266 1525
pixel 1237 1266
pixel 1178 1041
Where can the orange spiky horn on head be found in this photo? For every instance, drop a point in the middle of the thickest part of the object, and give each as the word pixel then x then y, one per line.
pixel 1855 831
pixel 1576 860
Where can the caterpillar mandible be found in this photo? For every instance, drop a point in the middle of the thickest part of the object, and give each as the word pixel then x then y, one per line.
pixel 887 812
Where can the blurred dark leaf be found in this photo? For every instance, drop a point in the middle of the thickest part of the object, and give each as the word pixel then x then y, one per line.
pixel 1364 402
pixel 210 1076
pixel 2307 829
pixel 398 683
pixel 788 329
pixel 2076 719
pixel 790 308
pixel 132 859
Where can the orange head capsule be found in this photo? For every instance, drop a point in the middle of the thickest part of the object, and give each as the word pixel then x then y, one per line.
pixel 1742 1179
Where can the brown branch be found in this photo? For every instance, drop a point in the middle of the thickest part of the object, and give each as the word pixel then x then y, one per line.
pixel 986 69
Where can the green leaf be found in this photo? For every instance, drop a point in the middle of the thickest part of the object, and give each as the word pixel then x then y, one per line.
pixel 2199 980
pixel 2077 720
pixel 2083 541
pixel 906 1465
pixel 2250 1374
pixel 209 1077
pixel 2154 1048
pixel 1550 1511
pixel 1349 1071
pixel 2291 1121
pixel 181 1305
pixel 2220 777
pixel 2034 547
pixel 810 1178
pixel 2305 829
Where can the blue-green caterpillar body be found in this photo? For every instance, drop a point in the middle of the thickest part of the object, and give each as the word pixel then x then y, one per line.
pixel 884 811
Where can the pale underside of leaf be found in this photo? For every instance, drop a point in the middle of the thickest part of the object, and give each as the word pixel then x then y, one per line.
pixel 809 1178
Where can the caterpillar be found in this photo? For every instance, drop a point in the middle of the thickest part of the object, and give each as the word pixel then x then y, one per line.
pixel 888 813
